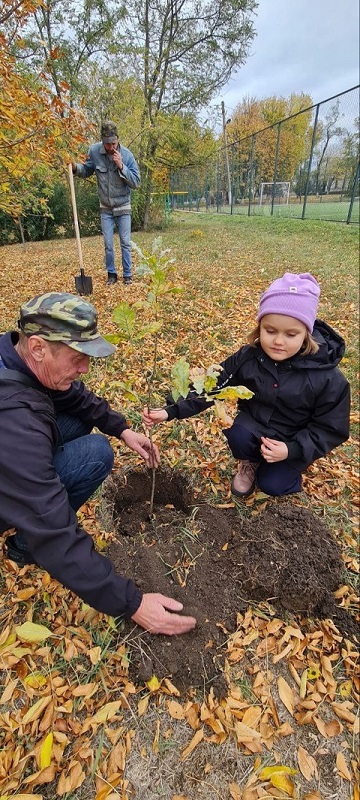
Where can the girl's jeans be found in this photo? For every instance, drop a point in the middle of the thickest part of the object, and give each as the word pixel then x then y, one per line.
pixel 274 479
pixel 123 225
pixel 82 462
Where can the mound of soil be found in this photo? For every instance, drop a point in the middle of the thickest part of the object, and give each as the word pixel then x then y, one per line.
pixel 215 561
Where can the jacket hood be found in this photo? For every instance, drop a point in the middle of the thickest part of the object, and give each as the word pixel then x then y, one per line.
pixel 330 352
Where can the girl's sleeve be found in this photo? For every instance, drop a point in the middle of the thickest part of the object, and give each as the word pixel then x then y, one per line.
pixel 329 424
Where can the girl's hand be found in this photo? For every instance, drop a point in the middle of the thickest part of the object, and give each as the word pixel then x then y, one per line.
pixel 152 416
pixel 272 450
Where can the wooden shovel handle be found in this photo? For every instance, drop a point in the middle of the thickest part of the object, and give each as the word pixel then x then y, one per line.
pixel 76 223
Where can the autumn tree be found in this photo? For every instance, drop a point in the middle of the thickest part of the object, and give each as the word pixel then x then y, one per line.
pixel 36 124
pixel 262 117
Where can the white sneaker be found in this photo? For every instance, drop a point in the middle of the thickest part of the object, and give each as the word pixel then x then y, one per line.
pixel 243 483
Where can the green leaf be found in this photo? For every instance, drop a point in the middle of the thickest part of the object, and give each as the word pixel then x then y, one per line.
pixel 149 330
pixel 143 269
pixel 180 379
pixel 125 318
pixel 31 632
pixel 198 383
pixel 210 383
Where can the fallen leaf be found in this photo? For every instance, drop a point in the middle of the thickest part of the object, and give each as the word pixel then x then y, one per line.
pixel 31 632
pixel 283 782
pixel 8 691
pixel 197 738
pixel 46 751
pixel 175 710
pixel 345 689
pixel 333 728
pixel 143 705
pixel 35 711
pixel 307 764
pixel 153 684
pixel 303 682
pixel 342 767
pixel 235 791
pixel 286 694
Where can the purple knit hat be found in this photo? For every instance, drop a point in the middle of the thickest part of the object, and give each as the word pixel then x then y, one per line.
pixel 293 295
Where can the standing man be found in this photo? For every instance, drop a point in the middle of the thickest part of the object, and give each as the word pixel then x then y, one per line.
pixel 116 173
pixel 51 463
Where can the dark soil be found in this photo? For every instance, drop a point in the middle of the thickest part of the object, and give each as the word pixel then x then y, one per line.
pixel 215 562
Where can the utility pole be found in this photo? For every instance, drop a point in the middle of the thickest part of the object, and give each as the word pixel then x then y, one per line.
pixel 226 152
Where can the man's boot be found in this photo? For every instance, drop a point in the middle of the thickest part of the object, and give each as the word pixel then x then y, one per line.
pixel 111 279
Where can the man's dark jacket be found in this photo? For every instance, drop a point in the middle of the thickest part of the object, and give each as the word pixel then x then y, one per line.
pixel 32 497
pixel 303 401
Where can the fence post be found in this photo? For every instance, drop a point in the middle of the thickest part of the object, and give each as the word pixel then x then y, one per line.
pixel 310 161
pixel 275 168
pixel 353 193
pixel 232 179
pixel 251 167
pixel 217 183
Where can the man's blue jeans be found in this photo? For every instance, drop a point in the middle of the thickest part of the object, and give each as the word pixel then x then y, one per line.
pixel 82 461
pixel 123 225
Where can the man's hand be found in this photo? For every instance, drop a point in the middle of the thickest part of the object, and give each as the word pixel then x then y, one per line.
pixel 152 416
pixel 272 450
pixel 152 615
pixel 141 444
pixel 117 159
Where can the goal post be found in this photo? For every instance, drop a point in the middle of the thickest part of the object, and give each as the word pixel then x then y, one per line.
pixel 280 190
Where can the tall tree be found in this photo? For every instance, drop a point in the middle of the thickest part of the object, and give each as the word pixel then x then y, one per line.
pixel 263 116
pixel 327 130
pixel 185 52
pixel 64 37
pixel 35 125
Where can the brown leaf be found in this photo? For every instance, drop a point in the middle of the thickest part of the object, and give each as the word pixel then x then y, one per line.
pixel 343 767
pixel 197 738
pixel 286 694
pixel 307 764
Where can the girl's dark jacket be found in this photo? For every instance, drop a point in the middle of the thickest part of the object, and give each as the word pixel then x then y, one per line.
pixel 303 401
pixel 32 498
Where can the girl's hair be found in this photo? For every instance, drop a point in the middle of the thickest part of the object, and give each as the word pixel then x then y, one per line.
pixel 309 346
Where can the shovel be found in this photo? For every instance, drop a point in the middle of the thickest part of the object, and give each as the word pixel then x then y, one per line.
pixel 83 283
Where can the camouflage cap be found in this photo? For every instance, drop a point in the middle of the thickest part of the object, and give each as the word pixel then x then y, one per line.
pixel 109 132
pixel 61 317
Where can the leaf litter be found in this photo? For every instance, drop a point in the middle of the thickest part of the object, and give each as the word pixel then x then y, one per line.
pixel 109 734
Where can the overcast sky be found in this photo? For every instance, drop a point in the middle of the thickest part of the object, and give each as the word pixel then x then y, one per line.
pixel 307 46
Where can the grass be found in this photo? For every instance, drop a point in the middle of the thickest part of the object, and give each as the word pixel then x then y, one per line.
pixel 327 209
pixel 223 263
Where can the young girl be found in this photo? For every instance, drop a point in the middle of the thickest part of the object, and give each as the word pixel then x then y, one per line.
pixel 300 407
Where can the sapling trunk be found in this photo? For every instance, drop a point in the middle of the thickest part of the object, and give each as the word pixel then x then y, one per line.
pixel 149 400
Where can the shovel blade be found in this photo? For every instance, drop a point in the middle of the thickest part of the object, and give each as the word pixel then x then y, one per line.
pixel 83 283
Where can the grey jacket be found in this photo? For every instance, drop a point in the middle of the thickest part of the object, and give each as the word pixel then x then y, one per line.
pixel 113 184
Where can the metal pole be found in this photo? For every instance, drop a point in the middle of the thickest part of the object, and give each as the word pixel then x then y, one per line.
pixel 251 166
pixel 353 193
pixel 275 168
pixel 232 179
pixel 226 153
pixel 310 160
